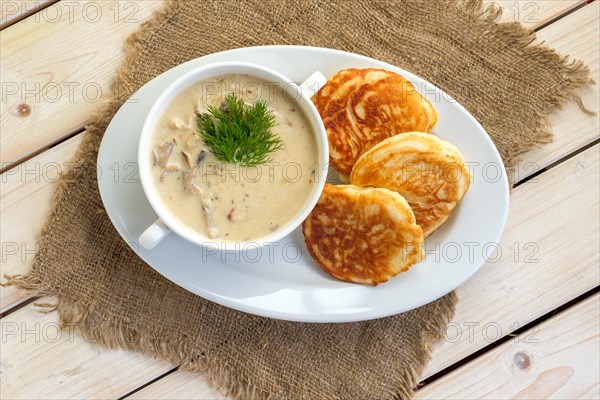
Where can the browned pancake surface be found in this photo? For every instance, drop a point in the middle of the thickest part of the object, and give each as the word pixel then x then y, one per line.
pixel 333 96
pixel 427 171
pixel 361 107
pixel 362 235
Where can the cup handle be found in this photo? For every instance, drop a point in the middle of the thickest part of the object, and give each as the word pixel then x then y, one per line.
pixel 153 235
pixel 312 84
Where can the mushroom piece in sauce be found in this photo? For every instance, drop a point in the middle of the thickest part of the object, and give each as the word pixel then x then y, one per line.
pixel 166 153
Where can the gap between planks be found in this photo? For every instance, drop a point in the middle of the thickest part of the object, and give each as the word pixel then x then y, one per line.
pixel 70 76
pixel 510 336
pixel 556 359
pixel 13 11
pixel 41 361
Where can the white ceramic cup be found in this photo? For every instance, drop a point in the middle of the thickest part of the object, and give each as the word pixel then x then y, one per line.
pixel 167 222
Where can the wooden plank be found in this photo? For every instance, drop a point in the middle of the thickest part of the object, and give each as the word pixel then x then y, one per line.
pixel 69 76
pixel 534 14
pixel 506 295
pixel 575 35
pixel 89 66
pixel 25 196
pixel 549 255
pixel 557 359
pixel 179 385
pixel 39 361
pixel 13 11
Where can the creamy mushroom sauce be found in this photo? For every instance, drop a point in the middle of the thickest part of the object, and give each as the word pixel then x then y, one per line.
pixel 223 200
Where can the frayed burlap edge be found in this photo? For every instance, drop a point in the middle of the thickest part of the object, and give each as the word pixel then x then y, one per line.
pixel 120 91
pixel 112 333
pixel 576 74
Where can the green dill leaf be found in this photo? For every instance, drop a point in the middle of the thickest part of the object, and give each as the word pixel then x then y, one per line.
pixel 238 133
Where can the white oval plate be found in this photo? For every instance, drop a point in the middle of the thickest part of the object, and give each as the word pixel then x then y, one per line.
pixel 282 281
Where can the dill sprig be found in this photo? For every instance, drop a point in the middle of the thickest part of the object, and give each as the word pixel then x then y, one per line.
pixel 239 133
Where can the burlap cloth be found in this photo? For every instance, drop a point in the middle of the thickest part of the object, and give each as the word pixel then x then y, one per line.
pixel 105 290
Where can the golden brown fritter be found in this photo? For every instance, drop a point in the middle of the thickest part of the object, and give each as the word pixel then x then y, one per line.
pixel 427 171
pixel 333 96
pixel 361 107
pixel 363 235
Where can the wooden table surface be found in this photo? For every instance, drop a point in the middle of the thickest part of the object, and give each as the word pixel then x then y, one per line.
pixel 526 326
